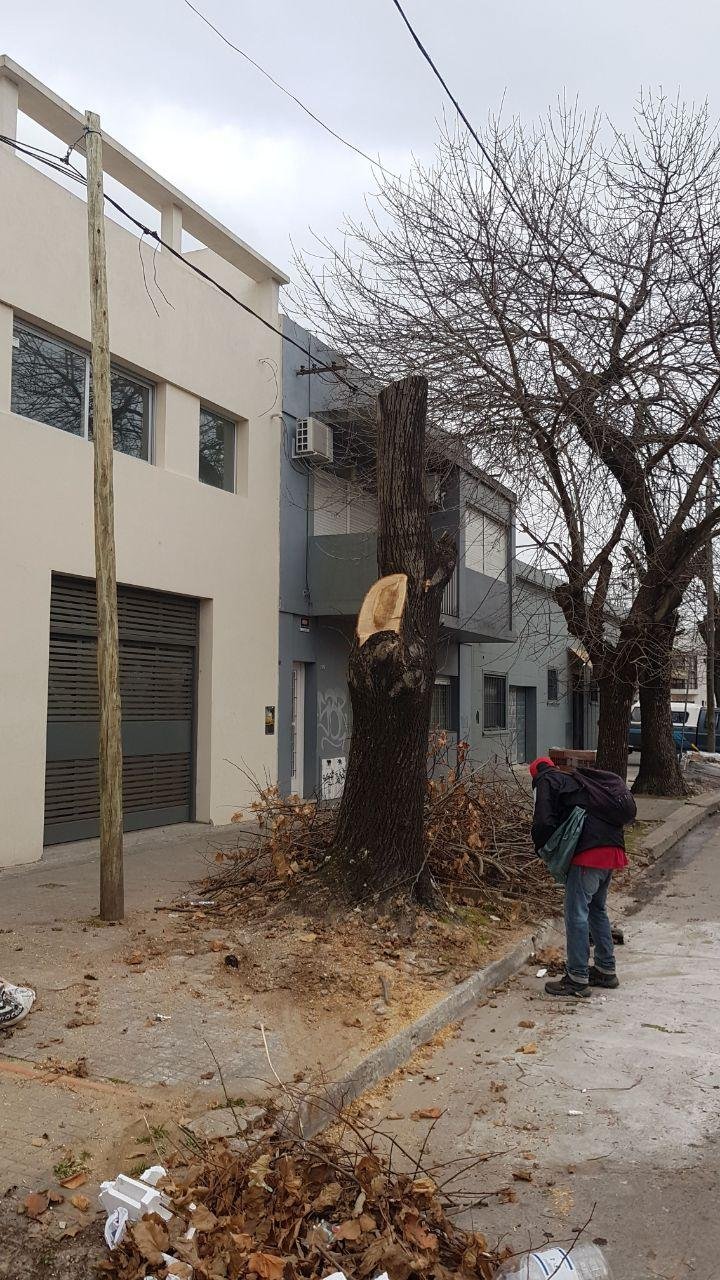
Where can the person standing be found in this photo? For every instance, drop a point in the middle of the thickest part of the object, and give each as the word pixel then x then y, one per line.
pixel 600 850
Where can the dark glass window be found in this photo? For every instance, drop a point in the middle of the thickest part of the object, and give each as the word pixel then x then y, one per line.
pixel 131 402
pixel 495 702
pixel 217 451
pixel 48 381
pixel 51 383
pixel 553 685
pixel 441 711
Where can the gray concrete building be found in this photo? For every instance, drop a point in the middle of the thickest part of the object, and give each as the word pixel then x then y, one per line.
pixel 328 560
pixel 550 698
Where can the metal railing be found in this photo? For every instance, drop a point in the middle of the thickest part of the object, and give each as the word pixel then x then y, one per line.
pixel 449 607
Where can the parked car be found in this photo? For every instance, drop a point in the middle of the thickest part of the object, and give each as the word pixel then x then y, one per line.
pixel 689 726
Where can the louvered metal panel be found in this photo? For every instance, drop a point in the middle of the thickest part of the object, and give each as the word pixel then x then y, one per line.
pixel 158 639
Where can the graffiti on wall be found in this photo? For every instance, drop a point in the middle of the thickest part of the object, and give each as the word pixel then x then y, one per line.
pixel 332 718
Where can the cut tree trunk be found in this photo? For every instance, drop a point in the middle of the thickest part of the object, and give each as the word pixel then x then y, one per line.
pixel 378 848
pixel 659 773
pixel 617 694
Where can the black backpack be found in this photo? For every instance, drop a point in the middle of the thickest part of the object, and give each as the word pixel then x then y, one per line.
pixel 609 798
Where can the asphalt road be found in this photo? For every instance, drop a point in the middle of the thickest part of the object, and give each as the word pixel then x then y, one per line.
pixel 615 1117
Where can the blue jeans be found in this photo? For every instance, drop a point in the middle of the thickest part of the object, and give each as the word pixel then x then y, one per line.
pixel 586 892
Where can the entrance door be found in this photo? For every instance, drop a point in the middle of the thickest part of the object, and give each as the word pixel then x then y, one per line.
pixel 158 641
pixel 297 729
pixel 520 723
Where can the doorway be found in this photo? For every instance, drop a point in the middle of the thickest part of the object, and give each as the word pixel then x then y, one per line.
pixel 297 729
pixel 522 723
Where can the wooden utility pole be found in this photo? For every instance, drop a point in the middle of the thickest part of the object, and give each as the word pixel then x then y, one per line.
pixel 710 627
pixel 112 897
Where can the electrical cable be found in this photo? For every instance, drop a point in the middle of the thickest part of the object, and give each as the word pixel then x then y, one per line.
pixel 62 165
pixel 465 119
pixel 288 93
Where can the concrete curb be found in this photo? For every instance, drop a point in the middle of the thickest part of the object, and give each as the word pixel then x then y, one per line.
pixel 316 1112
pixel 688 816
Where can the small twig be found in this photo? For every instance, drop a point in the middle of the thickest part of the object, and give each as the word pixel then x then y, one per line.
pixel 282 1084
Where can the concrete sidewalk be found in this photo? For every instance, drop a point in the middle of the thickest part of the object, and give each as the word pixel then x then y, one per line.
pixel 611 1114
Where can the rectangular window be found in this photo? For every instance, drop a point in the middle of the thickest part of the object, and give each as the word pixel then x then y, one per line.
pixel 486 545
pixel 553 685
pixel 340 506
pixel 495 702
pixel 217 450
pixel 441 710
pixel 51 382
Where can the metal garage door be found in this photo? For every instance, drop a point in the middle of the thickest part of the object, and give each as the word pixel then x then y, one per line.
pixel 158 642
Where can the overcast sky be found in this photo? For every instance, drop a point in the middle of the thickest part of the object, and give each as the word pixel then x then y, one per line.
pixel 171 91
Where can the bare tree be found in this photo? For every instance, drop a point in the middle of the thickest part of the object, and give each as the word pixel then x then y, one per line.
pixel 558 288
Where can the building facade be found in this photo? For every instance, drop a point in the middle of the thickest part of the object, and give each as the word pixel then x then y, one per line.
pixel 328 560
pixel 196 495
pixel 537 691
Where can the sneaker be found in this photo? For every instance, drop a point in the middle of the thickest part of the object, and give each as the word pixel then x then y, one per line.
pixel 600 979
pixel 566 987
pixel 15 1004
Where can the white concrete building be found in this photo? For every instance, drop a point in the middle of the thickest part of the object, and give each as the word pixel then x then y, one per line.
pixel 196 502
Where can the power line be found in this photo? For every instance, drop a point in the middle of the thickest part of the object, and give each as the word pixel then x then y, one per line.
pixel 61 164
pixel 465 119
pixel 289 94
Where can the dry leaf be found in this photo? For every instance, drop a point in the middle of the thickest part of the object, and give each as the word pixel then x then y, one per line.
pixel 526 1023
pixel 508 1196
pixel 151 1237
pixel 217 945
pixel 75 1180
pixel 56 1197
pixel 134 957
pixel 266 1265
pixel 327 1197
pixel 523 1175
pixel 427 1113
pixel 424 1187
pixel 527 1048
pixel 203 1218
pixel 71 1229
pixel 351 1229
pixel 80 1202
pixel 416 1233
pixel 389 1256
pixel 306 937
pixel 36 1203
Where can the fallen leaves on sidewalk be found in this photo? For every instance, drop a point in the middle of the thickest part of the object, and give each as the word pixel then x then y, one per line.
pixel 427 1113
pixel 294 1209
pixel 36 1203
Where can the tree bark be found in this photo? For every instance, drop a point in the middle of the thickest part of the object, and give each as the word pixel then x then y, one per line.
pixel 659 773
pixel 379 846
pixel 617 693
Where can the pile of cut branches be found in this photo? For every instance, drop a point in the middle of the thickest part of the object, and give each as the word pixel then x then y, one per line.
pixel 282 1208
pixel 477 833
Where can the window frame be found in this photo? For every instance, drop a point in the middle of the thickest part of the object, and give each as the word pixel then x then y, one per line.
pixel 115 368
pixel 553 698
pixel 233 424
pixel 496 728
pixel 443 682
pixel 475 512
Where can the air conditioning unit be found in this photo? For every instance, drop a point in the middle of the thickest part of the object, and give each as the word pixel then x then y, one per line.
pixel 313 440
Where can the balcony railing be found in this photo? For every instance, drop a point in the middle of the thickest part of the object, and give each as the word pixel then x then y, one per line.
pixel 449 608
